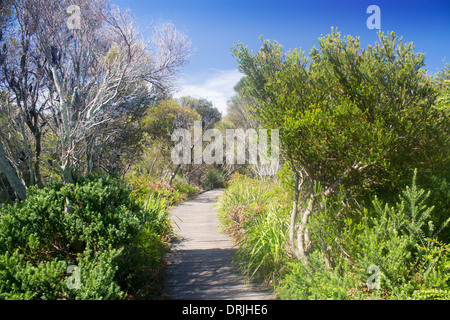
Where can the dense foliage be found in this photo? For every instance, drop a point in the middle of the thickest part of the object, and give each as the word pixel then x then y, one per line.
pixel 397 242
pixel 360 208
pixel 117 241
pixel 83 215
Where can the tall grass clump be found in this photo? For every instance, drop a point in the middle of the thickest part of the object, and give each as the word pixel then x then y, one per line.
pixel 262 250
pixel 144 264
pixel 156 209
pixel 255 216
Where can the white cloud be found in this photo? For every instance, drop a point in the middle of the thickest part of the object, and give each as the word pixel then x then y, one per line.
pixel 215 86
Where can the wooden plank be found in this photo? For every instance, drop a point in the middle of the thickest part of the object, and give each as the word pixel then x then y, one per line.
pixel 200 264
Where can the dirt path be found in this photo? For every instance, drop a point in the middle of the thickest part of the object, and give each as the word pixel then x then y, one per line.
pixel 200 263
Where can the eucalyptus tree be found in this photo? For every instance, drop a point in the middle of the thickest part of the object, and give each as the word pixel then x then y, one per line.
pixel 240 114
pixel 160 122
pixel 100 70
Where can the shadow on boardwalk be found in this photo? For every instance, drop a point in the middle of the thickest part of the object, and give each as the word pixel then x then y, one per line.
pixel 200 262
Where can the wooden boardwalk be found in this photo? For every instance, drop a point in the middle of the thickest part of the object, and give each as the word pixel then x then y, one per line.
pixel 200 262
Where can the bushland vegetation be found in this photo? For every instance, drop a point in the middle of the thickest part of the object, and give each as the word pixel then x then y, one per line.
pixel 84 213
pixel 360 208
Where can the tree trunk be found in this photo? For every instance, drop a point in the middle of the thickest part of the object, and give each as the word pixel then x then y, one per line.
pixel 17 184
pixel 302 231
pixel 174 173
pixel 68 179
pixel 37 164
pixel 294 215
pixel 298 247
pixel 67 174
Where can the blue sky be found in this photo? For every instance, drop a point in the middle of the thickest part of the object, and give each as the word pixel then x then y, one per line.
pixel 213 26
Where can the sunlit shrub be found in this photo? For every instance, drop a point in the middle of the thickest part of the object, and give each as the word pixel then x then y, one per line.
pixel 95 225
pixel 400 242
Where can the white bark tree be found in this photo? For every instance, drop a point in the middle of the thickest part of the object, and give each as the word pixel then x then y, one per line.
pixel 22 77
pixel 8 153
pixel 100 71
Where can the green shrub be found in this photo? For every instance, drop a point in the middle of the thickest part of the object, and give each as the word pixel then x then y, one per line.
pixel 393 239
pixel 186 189
pixel 142 265
pixel 24 280
pixel 144 186
pixel 316 281
pixel 141 269
pixel 396 240
pixel 213 179
pixel 348 242
pixel 435 275
pixel 98 276
pixel 103 230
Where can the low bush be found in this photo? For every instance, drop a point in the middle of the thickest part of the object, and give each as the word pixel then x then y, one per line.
pixel 214 179
pixel 392 245
pixel 144 186
pixel 185 190
pixel 372 252
pixel 143 264
pixel 94 227
pixel 316 281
